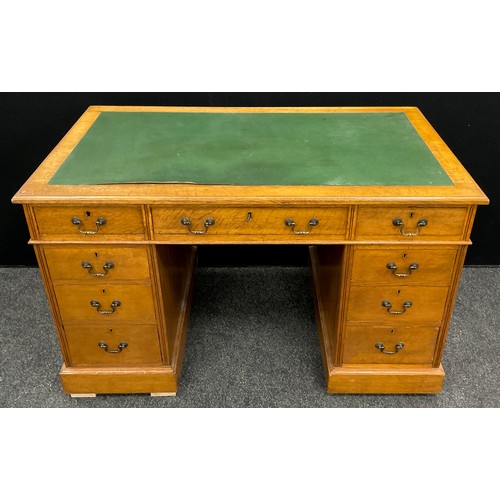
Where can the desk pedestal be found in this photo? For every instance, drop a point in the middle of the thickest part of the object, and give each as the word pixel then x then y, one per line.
pixel 392 355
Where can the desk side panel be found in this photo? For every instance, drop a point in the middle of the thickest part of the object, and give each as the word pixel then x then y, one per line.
pixel 174 271
pixel 330 264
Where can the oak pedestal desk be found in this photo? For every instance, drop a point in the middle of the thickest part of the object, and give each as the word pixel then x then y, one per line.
pixel 117 210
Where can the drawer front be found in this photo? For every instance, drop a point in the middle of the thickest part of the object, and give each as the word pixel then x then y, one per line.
pixel 410 224
pixel 403 265
pixel 242 221
pixel 387 345
pixel 117 345
pixel 92 223
pixel 386 304
pixel 97 263
pixel 106 303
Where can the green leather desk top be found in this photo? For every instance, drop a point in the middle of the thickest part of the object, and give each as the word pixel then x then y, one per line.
pixel 284 149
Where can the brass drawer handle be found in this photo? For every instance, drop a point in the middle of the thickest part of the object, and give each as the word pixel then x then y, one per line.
pixel 97 304
pixel 121 346
pixel 399 223
pixel 393 267
pixel 381 347
pixel 87 265
pixel 186 222
pixel 100 221
pixel 291 224
pixel 388 305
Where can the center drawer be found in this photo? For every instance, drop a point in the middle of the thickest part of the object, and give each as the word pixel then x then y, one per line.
pixel 106 303
pixel 293 223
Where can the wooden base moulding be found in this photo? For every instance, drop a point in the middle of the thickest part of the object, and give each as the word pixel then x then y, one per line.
pixel 364 380
pixel 89 380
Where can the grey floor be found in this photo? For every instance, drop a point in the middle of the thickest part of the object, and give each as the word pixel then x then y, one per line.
pixel 252 342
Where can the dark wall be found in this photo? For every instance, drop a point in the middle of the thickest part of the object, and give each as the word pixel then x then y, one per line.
pixel 33 123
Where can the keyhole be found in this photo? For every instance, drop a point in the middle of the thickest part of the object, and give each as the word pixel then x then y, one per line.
pixel 87 213
pixel 411 215
pixel 404 255
pixel 111 330
pixel 96 255
pixel 103 290
pixel 399 291
pixel 392 330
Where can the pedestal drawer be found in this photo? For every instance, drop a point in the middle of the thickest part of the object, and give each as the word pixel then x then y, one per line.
pixel 410 224
pixel 397 305
pixel 117 345
pixel 106 303
pixel 403 265
pixel 91 223
pixel 390 345
pixel 97 263
pixel 292 223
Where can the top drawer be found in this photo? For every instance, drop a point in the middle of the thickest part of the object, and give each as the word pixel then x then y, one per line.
pixel 289 224
pixel 92 223
pixel 410 224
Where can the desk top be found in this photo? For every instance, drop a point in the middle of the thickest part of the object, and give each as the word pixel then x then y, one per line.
pixel 261 149
pixel 265 155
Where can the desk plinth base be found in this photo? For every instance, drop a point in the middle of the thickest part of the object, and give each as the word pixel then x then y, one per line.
pixel 109 381
pixel 364 380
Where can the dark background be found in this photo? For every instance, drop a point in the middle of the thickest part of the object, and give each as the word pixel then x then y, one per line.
pixel 33 123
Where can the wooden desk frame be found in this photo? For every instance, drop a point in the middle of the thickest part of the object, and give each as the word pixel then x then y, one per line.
pixel 169 259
